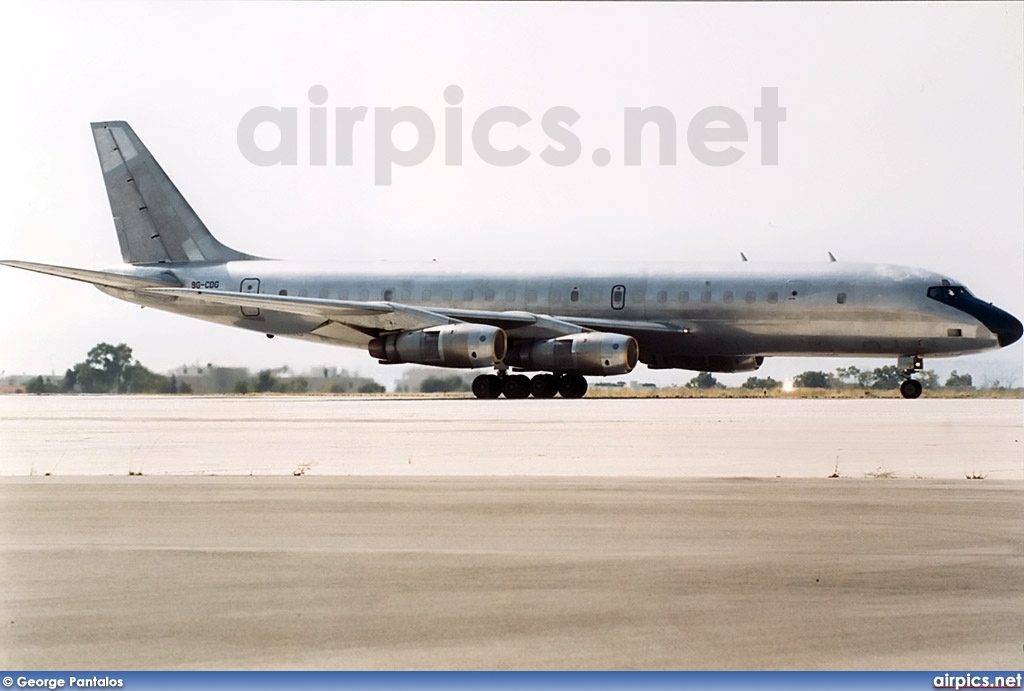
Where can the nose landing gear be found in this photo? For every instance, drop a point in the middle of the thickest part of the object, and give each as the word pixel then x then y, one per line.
pixel 910 388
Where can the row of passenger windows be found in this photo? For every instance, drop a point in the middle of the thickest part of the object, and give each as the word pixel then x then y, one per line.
pixel 405 295
pixel 488 295
pixel 728 297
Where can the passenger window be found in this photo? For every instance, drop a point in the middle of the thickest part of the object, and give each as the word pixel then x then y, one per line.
pixel 282 292
pixel 488 295
pixel 684 296
pixel 388 295
pixel 574 294
pixel 773 296
pixel 405 295
pixel 531 295
pixel 727 298
pixel 468 296
pixel 841 298
pixel 751 297
pixel 662 296
pixel 705 297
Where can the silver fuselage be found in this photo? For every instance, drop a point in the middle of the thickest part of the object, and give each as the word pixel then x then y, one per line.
pixel 741 309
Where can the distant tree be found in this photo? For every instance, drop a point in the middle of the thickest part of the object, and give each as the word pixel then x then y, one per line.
pixel 812 380
pixel 293 385
pixel 959 381
pixel 265 381
pixel 757 383
pixel 847 375
pixel 371 387
pixel 242 386
pixel 444 384
pixel 887 377
pixel 70 379
pixel 929 379
pixel 40 385
pixel 340 387
pixel 105 368
pixel 704 380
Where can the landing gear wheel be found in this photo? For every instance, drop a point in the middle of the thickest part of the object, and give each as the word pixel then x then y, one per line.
pixel 487 386
pixel 572 386
pixel 911 388
pixel 544 386
pixel 516 386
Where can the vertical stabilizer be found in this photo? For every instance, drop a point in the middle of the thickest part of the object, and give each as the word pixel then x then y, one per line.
pixel 154 223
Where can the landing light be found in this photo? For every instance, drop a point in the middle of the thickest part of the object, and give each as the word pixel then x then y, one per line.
pixel 787 385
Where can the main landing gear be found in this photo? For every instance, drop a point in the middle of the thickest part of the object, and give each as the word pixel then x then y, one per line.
pixel 910 388
pixel 521 386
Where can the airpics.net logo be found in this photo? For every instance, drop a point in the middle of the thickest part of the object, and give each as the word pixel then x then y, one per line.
pixel 713 135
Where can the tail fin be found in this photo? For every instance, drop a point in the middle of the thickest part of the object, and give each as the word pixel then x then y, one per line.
pixel 154 222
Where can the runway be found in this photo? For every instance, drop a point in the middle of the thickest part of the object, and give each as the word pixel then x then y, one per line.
pixel 181 435
pixel 460 534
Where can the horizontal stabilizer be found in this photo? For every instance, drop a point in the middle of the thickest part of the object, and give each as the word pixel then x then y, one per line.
pixel 99 278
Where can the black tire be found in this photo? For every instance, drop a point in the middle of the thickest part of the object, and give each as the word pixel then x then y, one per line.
pixel 544 386
pixel 911 388
pixel 487 386
pixel 516 386
pixel 572 386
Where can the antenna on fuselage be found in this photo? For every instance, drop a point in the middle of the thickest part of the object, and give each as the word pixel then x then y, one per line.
pixel 743 257
pixel 831 257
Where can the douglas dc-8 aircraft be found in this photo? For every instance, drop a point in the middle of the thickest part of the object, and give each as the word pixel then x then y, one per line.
pixel 706 317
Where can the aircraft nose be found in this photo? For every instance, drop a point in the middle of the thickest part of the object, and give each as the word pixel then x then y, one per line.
pixel 1005 326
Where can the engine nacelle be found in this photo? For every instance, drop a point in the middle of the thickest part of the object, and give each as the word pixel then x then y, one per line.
pixel 707 363
pixel 449 345
pixel 583 353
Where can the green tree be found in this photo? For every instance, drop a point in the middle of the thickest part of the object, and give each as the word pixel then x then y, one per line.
pixel 758 383
pixel 959 381
pixel 929 379
pixel 704 380
pixel 41 385
pixel 444 384
pixel 265 381
pixel 847 375
pixel 371 387
pixel 812 380
pixel 888 377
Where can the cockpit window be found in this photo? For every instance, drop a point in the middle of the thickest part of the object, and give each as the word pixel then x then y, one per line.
pixel 947 293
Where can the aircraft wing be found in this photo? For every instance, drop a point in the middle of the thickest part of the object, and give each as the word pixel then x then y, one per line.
pixel 101 278
pixel 372 316
pixel 392 316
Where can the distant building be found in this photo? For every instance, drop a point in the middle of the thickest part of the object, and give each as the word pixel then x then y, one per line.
pixel 210 378
pixel 413 378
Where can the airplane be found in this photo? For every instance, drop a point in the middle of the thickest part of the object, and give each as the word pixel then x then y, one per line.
pixel 562 325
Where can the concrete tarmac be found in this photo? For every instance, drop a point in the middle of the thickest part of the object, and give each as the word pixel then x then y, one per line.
pixel 510 573
pixel 182 435
pixel 504 536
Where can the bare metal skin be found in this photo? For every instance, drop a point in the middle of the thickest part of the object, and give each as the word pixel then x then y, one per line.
pixel 564 323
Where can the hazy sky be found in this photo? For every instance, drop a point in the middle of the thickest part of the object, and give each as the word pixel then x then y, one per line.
pixel 903 143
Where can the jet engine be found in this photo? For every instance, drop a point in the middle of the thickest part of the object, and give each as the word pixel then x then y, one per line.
pixel 593 353
pixel 450 345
